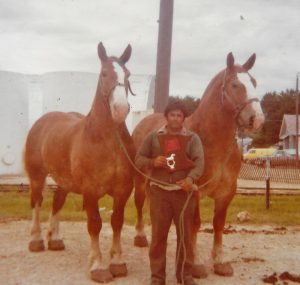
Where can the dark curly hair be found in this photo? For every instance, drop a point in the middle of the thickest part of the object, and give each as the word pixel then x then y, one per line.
pixel 176 105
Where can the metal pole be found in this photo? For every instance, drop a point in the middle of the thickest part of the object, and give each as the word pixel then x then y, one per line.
pixel 268 169
pixel 297 118
pixel 163 59
pixel 268 194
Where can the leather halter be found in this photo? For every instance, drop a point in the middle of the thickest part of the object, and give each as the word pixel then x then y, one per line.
pixel 238 107
pixel 121 63
pixel 108 94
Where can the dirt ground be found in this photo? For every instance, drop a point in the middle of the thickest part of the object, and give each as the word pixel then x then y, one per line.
pixel 254 252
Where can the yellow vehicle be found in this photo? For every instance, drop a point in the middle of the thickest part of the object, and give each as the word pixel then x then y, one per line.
pixel 254 153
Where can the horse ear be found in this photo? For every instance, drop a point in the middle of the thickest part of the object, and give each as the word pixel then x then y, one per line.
pixel 102 52
pixel 250 62
pixel 126 54
pixel 230 60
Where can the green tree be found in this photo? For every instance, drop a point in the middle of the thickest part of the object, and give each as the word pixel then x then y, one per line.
pixel 274 106
pixel 191 103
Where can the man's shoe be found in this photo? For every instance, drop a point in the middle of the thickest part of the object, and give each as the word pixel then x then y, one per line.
pixel 157 282
pixel 188 281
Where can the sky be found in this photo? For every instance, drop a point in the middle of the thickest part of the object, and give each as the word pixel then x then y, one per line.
pixel 39 36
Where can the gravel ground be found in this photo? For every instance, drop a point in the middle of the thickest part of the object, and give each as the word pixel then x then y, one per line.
pixel 254 251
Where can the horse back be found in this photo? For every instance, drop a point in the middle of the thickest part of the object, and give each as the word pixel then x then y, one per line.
pixel 49 141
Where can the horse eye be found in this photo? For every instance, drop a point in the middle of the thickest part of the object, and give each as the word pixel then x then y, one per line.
pixel 234 85
pixel 104 73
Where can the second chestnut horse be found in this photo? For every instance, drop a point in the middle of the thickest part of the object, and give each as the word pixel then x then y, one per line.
pixel 228 102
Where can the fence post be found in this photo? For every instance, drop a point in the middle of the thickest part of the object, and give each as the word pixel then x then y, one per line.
pixel 268 165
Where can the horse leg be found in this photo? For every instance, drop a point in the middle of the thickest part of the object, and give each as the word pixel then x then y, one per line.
pixel 54 242
pixel 117 267
pixel 36 185
pixel 220 267
pixel 99 272
pixel 199 270
pixel 140 239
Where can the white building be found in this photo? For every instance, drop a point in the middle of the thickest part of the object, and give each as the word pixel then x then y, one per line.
pixel 288 134
pixel 26 97
pixel 142 104
pixel 14 116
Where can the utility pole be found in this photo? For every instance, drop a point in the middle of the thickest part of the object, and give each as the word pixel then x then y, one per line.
pixel 297 118
pixel 163 59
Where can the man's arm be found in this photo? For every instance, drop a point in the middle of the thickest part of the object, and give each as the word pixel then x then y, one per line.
pixel 143 158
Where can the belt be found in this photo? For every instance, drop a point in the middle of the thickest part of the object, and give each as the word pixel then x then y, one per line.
pixel 166 187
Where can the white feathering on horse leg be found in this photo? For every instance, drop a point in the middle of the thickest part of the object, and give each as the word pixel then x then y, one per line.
pixel 217 254
pixel 53 231
pixel 116 252
pixel 95 257
pixel 36 227
pixel 140 231
pixel 117 259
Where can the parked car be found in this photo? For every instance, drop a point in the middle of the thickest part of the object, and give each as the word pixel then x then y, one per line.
pixel 291 152
pixel 278 158
pixel 255 153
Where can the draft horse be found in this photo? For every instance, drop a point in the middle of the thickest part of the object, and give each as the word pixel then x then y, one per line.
pixel 83 155
pixel 228 103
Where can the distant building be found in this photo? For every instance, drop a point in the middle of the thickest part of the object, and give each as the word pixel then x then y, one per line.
pixel 25 97
pixel 287 132
pixel 244 144
pixel 14 117
pixel 141 104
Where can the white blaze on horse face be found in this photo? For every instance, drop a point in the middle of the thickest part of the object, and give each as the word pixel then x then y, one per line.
pixel 252 114
pixel 118 103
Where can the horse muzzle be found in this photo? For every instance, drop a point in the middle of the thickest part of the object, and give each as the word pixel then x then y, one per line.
pixel 119 112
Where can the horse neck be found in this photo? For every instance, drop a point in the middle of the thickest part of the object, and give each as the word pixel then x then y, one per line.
pixel 99 118
pixel 210 119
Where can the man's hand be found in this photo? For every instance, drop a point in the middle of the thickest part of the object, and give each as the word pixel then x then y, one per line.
pixel 160 162
pixel 186 184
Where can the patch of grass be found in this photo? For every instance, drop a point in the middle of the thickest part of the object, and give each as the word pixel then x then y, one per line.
pixel 16 205
pixel 284 210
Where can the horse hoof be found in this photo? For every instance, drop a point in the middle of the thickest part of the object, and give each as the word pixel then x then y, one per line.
pixel 140 241
pixel 223 269
pixel 199 271
pixel 118 270
pixel 56 244
pixel 101 275
pixel 36 245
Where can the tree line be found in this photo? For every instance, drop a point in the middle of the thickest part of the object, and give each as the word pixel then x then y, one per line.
pixel 274 105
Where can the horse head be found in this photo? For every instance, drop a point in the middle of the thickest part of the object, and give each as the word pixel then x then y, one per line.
pixel 239 94
pixel 114 82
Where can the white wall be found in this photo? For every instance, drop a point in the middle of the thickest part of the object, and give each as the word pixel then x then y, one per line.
pixel 68 91
pixel 26 97
pixel 14 121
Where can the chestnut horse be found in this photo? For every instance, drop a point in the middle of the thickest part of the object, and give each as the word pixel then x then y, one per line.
pixel 227 104
pixel 82 155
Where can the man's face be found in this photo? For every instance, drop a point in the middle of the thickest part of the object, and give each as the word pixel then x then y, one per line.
pixel 175 119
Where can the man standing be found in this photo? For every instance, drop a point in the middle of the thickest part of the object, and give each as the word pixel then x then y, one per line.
pixel 175 156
